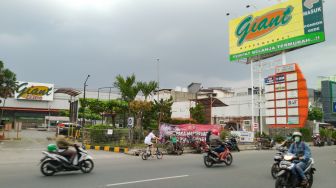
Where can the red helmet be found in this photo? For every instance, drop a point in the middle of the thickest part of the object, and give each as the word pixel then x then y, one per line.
pixel 215 132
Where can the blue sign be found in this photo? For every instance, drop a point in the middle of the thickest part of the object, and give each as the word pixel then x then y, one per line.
pixel 334 107
pixel 269 80
pixel 280 78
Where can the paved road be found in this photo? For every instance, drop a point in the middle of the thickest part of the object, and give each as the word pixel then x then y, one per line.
pixel 18 169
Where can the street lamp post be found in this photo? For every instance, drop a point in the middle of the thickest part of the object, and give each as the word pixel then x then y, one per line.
pixel 84 103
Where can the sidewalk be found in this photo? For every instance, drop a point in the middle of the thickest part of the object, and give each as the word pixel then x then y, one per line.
pixel 27 139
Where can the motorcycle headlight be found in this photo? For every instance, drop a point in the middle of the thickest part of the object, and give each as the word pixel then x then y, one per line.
pixel 288 157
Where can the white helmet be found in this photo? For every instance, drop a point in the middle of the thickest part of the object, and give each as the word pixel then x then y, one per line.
pixel 296 134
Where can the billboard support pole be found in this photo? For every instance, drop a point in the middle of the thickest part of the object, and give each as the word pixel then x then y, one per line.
pixel 252 95
pixel 260 100
pixel 284 61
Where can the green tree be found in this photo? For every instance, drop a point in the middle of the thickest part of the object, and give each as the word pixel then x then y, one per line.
pixel 147 88
pixel 115 107
pixel 198 113
pixel 315 114
pixel 8 85
pixel 97 108
pixel 163 110
pixel 139 108
pixel 65 113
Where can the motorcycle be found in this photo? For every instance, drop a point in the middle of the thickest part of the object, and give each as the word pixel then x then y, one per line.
pixel 211 157
pixel 317 141
pixel 53 162
pixel 197 145
pixel 233 144
pixel 286 179
pixel 287 143
pixel 278 157
pixel 171 149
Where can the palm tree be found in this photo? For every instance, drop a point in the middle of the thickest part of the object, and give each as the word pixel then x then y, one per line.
pixel 128 88
pixel 8 85
pixel 147 88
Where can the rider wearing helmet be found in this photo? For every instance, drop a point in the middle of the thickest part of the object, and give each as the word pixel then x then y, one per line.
pixel 52 148
pixel 216 142
pixel 63 145
pixel 301 150
pixel 207 137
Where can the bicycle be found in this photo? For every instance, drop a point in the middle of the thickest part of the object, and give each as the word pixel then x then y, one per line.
pixel 148 152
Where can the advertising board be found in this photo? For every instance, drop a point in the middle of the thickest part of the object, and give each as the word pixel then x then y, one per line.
pixel 285 26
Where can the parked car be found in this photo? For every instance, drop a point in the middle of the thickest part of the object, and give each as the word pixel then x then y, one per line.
pixel 63 128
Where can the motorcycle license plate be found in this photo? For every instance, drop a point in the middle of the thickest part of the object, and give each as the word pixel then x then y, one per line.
pixel 205 154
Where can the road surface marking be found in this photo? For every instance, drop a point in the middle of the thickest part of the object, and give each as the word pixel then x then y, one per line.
pixel 140 181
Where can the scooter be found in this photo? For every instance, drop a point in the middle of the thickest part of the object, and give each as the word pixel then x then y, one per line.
pixel 53 162
pixel 233 144
pixel 286 179
pixel 210 157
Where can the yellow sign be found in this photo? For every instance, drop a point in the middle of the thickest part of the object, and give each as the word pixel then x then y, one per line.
pixel 285 26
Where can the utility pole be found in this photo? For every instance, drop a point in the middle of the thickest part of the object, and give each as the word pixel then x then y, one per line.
pixel 158 92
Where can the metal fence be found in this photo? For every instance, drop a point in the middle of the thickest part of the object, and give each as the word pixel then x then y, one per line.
pixel 118 137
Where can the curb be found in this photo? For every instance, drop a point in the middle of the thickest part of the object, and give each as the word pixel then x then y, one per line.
pixel 108 148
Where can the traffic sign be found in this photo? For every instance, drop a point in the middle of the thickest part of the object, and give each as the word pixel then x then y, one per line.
pixel 334 107
pixel 130 121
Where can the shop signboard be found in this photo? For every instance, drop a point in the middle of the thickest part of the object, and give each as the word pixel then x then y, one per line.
pixel 35 91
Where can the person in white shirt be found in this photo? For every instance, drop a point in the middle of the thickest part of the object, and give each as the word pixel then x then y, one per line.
pixel 148 140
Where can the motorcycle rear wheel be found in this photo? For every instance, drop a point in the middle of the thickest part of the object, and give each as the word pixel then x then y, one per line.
pixel 207 161
pixel 45 170
pixel 86 166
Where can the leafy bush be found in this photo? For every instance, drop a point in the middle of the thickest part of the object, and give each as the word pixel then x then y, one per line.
pixel 333 135
pixel 306 134
pixel 279 138
pixel 178 121
pixel 224 134
pixel 323 133
pixel 98 134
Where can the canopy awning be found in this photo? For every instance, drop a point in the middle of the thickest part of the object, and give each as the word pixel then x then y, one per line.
pixel 69 91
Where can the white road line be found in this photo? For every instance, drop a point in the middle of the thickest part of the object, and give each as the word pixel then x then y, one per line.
pixel 140 181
